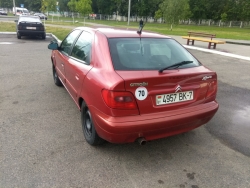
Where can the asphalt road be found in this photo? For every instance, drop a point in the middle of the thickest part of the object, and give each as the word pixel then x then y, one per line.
pixel 42 145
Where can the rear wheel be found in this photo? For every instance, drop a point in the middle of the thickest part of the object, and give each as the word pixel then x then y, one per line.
pixel 18 36
pixel 43 36
pixel 88 127
pixel 57 81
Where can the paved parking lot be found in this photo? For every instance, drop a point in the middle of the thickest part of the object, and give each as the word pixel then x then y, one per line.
pixel 42 144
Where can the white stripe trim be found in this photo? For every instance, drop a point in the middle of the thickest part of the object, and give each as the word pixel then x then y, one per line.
pixel 218 52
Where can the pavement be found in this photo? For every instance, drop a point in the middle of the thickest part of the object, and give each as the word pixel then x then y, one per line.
pixel 42 144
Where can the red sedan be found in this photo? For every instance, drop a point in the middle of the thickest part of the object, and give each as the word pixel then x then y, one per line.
pixel 133 86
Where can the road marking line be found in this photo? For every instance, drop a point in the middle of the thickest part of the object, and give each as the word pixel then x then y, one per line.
pixel 218 52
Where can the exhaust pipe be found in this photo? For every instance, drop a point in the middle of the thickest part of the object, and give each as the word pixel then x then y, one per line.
pixel 142 141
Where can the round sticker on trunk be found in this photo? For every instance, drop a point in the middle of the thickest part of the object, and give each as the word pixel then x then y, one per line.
pixel 141 93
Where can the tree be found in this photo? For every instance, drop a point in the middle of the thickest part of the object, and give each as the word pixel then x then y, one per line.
pixel 223 17
pixel 6 3
pixel 81 6
pixel 84 7
pixel 198 9
pixel 34 5
pixel 63 5
pixel 175 10
pixel 104 7
pixel 48 5
pixel 245 13
pixel 72 5
pixel 158 14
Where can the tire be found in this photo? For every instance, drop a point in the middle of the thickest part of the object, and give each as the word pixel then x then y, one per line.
pixel 18 36
pixel 44 36
pixel 57 81
pixel 88 127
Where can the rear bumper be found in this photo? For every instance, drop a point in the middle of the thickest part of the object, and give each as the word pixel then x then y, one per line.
pixel 31 33
pixel 153 126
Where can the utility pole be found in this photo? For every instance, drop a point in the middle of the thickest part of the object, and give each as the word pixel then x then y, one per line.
pixel 14 5
pixel 129 5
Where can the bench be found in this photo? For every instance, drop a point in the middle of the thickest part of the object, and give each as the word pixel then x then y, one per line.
pixel 203 37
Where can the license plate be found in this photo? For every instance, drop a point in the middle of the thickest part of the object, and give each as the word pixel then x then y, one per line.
pixel 174 97
pixel 30 27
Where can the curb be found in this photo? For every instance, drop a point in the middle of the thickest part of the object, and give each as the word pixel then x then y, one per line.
pixel 238 43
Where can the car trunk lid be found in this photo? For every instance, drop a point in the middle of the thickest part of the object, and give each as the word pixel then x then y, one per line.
pixel 170 90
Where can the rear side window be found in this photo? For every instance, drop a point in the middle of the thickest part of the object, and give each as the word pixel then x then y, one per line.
pixel 67 43
pixel 147 53
pixel 82 48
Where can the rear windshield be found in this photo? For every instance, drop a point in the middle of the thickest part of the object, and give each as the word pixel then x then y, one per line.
pixel 148 53
pixel 29 19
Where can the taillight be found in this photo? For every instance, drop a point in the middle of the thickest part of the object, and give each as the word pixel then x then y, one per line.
pixel 20 27
pixel 212 89
pixel 119 99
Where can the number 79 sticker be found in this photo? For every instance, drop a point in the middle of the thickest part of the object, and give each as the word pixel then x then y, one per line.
pixel 141 93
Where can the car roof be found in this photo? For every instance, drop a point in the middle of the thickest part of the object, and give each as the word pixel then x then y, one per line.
pixel 120 33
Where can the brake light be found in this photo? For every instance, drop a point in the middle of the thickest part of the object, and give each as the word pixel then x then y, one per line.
pixel 20 27
pixel 119 99
pixel 212 89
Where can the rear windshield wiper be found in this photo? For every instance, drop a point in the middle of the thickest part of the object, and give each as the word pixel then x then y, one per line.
pixel 175 65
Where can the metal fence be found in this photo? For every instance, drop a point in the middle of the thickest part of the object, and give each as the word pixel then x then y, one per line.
pixel 114 17
pixel 220 23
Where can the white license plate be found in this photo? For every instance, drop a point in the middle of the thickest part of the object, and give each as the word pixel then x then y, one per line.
pixel 30 27
pixel 174 97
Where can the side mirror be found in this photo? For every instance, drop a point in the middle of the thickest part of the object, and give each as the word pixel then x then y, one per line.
pixel 53 45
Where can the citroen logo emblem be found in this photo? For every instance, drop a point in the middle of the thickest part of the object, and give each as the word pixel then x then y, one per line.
pixel 178 88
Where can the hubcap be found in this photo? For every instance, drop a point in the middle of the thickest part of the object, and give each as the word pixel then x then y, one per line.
pixel 88 124
pixel 55 75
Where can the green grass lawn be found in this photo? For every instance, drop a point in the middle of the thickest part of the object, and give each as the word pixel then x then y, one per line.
pixel 181 30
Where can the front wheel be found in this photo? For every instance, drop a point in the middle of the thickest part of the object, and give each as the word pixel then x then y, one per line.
pixel 88 127
pixel 57 81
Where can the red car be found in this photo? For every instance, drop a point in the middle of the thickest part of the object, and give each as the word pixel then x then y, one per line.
pixel 133 86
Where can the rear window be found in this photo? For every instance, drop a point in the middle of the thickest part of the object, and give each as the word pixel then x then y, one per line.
pixel 148 53
pixel 29 19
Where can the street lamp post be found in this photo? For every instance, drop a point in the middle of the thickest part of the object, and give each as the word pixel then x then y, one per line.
pixel 14 5
pixel 129 5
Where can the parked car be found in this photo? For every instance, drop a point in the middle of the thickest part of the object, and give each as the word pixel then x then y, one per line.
pixel 17 11
pixel 2 12
pixel 30 26
pixel 133 86
pixel 41 15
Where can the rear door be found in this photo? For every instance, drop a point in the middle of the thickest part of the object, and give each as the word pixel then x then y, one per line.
pixel 78 64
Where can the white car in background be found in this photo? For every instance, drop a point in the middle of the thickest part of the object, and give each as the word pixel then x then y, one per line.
pixel 20 11
pixel 2 12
